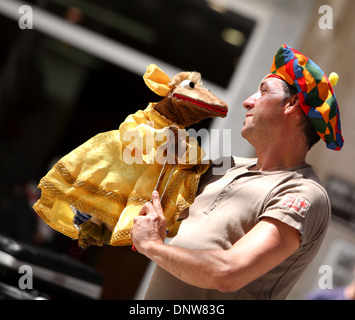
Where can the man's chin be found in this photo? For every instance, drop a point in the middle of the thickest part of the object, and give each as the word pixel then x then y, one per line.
pixel 243 132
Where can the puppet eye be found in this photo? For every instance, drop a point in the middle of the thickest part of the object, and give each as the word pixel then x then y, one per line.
pixel 187 84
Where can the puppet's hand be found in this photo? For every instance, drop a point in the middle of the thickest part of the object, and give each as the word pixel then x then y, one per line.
pixel 177 143
pixel 174 132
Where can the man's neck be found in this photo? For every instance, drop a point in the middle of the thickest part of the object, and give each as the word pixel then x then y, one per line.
pixel 278 159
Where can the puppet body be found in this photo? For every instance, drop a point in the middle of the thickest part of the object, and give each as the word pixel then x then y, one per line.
pixel 93 193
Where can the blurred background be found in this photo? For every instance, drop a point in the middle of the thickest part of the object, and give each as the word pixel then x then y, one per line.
pixel 79 72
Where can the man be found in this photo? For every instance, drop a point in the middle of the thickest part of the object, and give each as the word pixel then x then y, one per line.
pixel 252 231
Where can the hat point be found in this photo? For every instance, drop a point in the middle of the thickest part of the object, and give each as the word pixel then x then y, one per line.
pixel 333 78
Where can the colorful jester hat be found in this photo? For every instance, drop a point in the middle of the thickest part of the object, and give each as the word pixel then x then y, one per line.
pixel 316 94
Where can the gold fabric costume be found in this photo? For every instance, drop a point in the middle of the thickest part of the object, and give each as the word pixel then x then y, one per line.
pixel 96 179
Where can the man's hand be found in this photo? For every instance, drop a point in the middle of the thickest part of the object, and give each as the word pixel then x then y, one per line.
pixel 149 226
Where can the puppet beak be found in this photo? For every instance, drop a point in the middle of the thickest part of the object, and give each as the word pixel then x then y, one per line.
pixel 203 98
pixel 202 104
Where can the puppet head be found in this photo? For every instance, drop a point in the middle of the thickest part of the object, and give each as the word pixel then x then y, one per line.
pixel 186 100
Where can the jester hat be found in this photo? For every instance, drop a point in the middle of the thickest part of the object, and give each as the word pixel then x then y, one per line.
pixel 315 90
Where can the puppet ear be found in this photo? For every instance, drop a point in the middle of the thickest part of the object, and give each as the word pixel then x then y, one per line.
pixel 157 80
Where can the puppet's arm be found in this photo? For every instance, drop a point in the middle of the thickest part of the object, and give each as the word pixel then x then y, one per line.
pixel 143 143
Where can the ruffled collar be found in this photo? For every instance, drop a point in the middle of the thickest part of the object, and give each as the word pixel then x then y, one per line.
pixel 160 121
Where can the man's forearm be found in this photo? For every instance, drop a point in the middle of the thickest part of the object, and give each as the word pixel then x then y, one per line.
pixel 201 268
pixel 261 249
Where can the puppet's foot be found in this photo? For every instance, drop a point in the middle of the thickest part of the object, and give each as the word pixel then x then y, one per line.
pixel 91 234
pixel 99 223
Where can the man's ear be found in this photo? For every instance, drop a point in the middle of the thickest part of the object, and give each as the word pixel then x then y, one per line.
pixel 292 104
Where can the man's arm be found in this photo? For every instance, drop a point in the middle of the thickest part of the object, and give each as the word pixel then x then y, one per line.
pixel 264 247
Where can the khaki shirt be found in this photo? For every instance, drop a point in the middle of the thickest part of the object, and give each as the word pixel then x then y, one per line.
pixel 229 204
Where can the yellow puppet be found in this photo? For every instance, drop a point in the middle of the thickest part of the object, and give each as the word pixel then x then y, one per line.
pixel 93 193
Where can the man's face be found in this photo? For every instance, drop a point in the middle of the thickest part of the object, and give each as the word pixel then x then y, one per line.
pixel 264 118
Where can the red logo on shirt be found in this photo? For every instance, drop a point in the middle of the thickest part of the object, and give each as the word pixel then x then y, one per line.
pixel 296 204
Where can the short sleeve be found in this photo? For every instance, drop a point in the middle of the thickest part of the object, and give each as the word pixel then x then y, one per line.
pixel 304 207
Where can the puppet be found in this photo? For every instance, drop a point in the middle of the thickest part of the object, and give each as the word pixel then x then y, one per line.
pixel 93 193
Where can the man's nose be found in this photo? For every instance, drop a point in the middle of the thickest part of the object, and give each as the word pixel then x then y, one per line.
pixel 249 102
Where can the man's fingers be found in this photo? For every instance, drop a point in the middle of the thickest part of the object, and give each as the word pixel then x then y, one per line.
pixel 156 202
pixel 147 208
pixel 143 211
pixel 135 219
pixel 149 225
